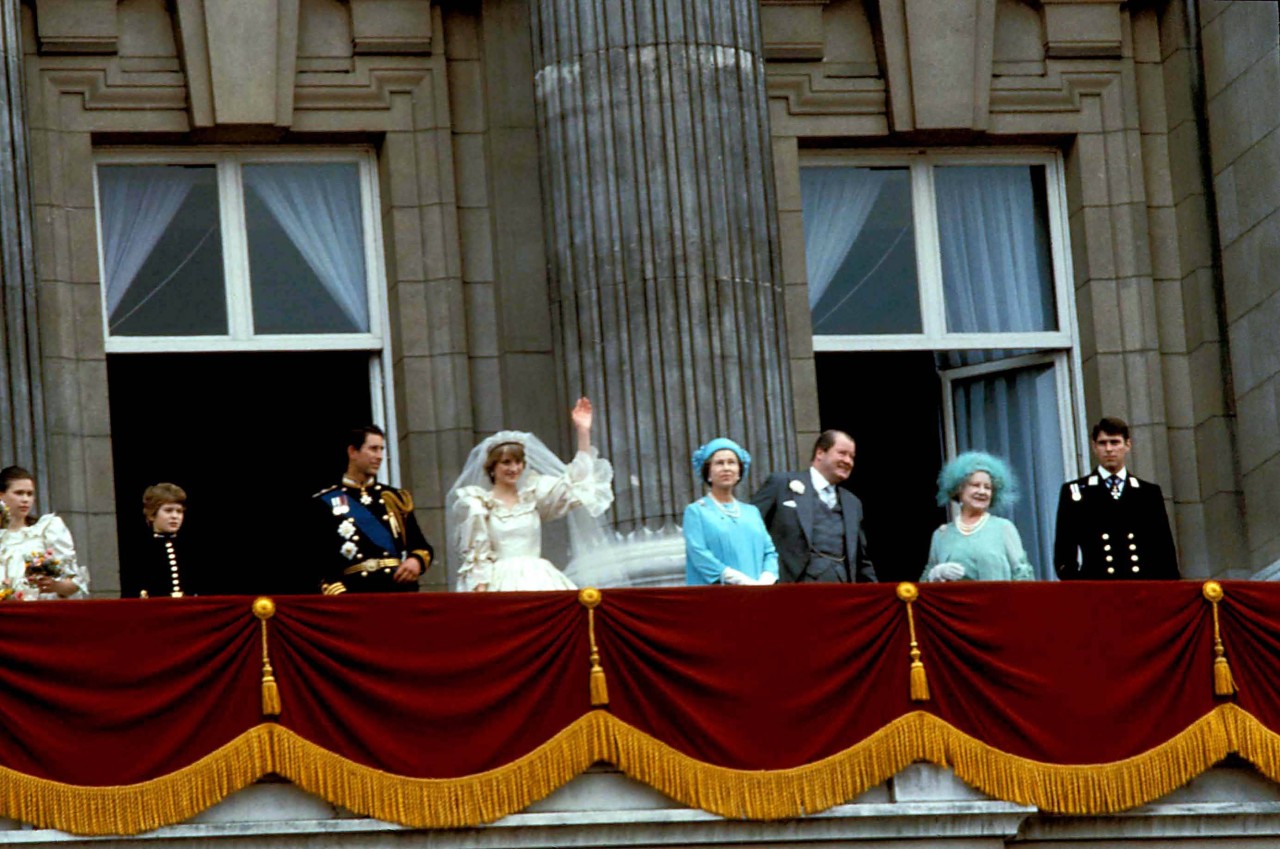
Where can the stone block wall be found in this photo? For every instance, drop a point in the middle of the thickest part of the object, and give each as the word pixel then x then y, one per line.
pixel 1241 49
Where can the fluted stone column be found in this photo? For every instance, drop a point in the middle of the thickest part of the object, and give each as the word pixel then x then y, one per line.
pixel 662 236
pixel 22 432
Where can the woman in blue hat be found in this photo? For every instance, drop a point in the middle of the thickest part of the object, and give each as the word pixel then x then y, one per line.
pixel 726 541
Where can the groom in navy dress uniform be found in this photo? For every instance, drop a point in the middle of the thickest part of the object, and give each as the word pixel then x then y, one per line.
pixel 816 525
pixel 1115 522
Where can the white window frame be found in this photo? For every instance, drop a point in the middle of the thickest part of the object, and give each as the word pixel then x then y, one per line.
pixel 235 253
pixel 1060 347
pixel 235 261
pixel 1062 377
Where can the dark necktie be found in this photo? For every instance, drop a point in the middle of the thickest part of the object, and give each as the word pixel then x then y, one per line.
pixel 1113 484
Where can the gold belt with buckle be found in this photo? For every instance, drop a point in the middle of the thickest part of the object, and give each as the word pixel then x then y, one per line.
pixel 372 565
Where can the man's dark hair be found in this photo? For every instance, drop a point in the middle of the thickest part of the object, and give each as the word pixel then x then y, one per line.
pixel 357 435
pixel 1111 426
pixel 826 439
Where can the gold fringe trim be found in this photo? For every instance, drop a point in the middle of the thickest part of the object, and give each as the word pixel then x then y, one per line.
pixel 599 736
pixel 133 808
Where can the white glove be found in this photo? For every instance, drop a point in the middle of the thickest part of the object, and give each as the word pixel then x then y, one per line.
pixel 946 572
pixel 732 577
pixel 767 579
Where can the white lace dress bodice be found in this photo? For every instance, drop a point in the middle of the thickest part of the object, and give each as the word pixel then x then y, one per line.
pixel 49 533
pixel 502 543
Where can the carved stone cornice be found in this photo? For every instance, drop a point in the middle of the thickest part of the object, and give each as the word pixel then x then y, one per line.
pixel 792 29
pixel 814 94
pixel 107 87
pixel 369 86
pixel 76 26
pixel 391 27
pixel 1083 28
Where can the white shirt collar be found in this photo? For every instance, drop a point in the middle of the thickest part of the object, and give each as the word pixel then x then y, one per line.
pixel 819 482
pixel 1123 474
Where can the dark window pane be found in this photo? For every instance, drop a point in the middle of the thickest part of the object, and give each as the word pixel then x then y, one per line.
pixel 162 250
pixel 306 248
pixel 860 250
pixel 993 231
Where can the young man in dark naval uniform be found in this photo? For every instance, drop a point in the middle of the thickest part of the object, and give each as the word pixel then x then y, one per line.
pixel 368 539
pixel 1115 521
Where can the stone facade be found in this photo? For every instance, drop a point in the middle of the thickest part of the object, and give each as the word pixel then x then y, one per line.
pixel 1166 128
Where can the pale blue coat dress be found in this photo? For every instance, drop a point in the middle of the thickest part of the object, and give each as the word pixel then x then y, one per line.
pixel 715 538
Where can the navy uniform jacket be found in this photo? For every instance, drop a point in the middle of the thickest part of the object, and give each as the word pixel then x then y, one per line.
pixel 1117 538
pixel 168 569
pixel 349 558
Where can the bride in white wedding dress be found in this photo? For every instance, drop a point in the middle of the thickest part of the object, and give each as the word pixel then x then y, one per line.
pixel 498 528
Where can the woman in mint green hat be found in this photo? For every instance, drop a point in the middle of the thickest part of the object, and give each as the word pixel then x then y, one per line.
pixel 726 541
pixel 977 545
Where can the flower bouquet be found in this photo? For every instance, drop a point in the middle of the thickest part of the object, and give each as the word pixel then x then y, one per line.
pixel 7 592
pixel 43 563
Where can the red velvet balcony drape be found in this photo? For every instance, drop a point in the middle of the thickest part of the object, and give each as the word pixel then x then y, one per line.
pixel 443 711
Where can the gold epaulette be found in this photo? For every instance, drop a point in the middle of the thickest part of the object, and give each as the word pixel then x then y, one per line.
pixel 323 491
pixel 398 499
pixel 336 588
pixel 399 503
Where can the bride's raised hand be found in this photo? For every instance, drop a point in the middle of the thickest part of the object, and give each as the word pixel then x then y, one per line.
pixel 582 414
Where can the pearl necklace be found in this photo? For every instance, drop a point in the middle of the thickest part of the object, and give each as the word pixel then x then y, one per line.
pixel 731 510
pixel 971 528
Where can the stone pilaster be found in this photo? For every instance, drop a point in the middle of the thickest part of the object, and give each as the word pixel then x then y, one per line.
pixel 662 236
pixel 22 431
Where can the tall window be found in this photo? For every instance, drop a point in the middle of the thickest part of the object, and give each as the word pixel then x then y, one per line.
pixel 244 322
pixel 939 284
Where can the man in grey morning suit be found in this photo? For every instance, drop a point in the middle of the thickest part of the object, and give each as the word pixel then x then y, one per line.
pixel 815 524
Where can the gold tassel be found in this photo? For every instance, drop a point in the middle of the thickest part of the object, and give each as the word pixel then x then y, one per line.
pixel 270 692
pixel 908 593
pixel 264 608
pixel 589 597
pixel 1223 682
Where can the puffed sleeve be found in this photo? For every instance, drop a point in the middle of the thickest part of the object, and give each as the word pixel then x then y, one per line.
pixel 473 537
pixel 701 566
pixel 587 482
pixel 1019 566
pixel 57 537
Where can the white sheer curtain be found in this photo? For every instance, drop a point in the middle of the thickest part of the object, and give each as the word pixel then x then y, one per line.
pixel 1014 415
pixel 996 273
pixel 138 203
pixel 318 207
pixel 836 203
